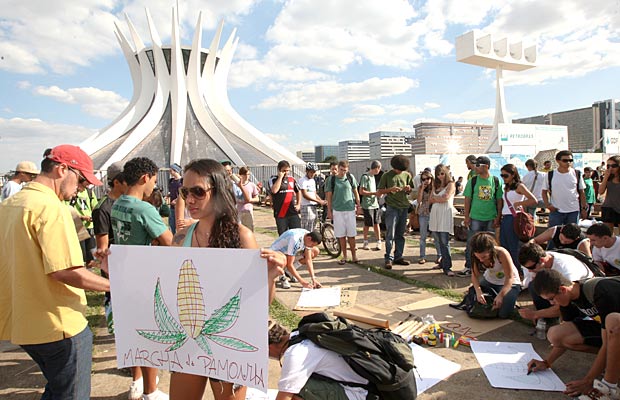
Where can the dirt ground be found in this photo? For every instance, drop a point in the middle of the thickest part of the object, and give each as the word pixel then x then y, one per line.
pixel 20 378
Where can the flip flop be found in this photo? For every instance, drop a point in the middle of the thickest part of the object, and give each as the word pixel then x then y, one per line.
pixel 355 262
pixel 342 261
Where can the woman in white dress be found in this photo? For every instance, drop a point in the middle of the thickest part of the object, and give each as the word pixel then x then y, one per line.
pixel 441 219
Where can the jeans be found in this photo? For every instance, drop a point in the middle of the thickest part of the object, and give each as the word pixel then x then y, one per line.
pixel 288 222
pixel 509 240
pixel 559 218
pixel 66 365
pixel 532 210
pixel 442 241
pixel 476 226
pixel 172 220
pixel 423 234
pixel 510 299
pixel 395 223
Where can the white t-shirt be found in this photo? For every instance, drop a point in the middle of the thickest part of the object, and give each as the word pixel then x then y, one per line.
pixel 609 255
pixel 9 189
pixel 528 180
pixel 565 264
pixel 309 185
pixel 564 195
pixel 303 359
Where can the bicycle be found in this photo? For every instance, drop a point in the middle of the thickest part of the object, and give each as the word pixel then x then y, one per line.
pixel 330 241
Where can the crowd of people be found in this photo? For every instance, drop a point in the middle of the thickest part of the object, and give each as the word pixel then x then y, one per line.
pixel 55 231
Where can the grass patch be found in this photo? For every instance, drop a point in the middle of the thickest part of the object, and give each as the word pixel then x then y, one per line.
pixel 265 231
pixel 283 315
pixel 94 309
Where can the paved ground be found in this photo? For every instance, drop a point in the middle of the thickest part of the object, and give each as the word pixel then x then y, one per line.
pixel 21 380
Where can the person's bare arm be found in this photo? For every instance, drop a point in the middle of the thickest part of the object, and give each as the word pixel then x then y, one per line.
pixel 467 208
pixel 165 239
pixel 546 236
pixel 285 396
pixel 275 188
pixel 585 248
pixel 530 199
pixel 81 278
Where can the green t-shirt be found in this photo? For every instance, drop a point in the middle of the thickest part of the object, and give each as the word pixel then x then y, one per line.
pixel 483 204
pixel 589 191
pixel 368 183
pixel 471 174
pixel 391 179
pixel 84 203
pixel 342 198
pixel 135 221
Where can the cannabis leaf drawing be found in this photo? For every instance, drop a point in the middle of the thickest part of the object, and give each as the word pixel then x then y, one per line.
pixel 193 322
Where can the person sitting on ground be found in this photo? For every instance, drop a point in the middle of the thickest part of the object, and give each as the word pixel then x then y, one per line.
pixel 567 236
pixel 606 248
pixel 534 258
pixel 292 243
pixel 300 364
pixel 596 297
pixel 492 267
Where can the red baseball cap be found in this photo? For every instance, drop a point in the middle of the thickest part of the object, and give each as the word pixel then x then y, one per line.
pixel 75 158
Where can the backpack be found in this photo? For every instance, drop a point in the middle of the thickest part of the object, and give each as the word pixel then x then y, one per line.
pixel 550 176
pixel 359 184
pixel 332 182
pixel 319 181
pixel 378 355
pixel 588 286
pixel 476 310
pixel 495 186
pixel 579 255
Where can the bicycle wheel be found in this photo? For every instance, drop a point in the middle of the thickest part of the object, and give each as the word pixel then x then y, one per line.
pixel 330 242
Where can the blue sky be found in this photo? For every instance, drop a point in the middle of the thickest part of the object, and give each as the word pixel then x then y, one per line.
pixel 306 72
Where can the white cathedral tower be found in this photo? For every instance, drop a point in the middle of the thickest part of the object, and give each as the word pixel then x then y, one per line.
pixel 180 110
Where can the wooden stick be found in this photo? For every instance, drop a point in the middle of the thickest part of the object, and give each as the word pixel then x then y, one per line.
pixel 415 326
pixel 382 323
pixel 403 327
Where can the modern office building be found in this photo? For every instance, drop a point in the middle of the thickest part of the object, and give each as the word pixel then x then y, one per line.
pixel 324 151
pixel 385 144
pixel 306 156
pixel 353 150
pixel 585 125
pixel 448 138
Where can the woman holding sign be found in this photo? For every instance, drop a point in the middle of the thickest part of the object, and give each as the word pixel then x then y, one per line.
pixel 208 196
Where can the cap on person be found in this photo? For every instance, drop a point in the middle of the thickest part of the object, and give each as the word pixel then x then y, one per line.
pixel 482 160
pixel 177 168
pixel 27 167
pixel 312 167
pixel 471 158
pixel 75 158
pixel 114 170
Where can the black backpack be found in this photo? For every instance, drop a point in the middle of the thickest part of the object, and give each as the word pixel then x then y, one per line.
pixel 476 310
pixel 378 355
pixel 579 255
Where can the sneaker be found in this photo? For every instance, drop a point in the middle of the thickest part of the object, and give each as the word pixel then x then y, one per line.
pixel 422 261
pixel 284 283
pixel 156 395
pixel 290 276
pixel 465 272
pixel 601 392
pixel 136 389
pixel 401 261
pixel 388 264
pixel 379 245
pixel 365 246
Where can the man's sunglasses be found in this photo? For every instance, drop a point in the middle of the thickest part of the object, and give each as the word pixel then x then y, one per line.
pixel 198 192
pixel 531 267
pixel 81 179
pixel 566 160
pixel 613 165
pixel 478 165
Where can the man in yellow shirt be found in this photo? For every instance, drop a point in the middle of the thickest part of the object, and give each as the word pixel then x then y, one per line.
pixel 42 275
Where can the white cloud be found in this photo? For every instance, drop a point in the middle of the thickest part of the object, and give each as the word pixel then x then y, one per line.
pixel 482 116
pixel 329 94
pixel 96 102
pixel 32 137
pixel 23 85
pixel 367 110
pixel 246 72
pixel 394 126
pixel 430 105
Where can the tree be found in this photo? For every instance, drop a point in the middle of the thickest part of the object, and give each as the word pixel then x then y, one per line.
pixel 330 159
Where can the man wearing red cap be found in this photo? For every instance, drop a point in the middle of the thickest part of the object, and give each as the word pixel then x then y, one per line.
pixel 42 275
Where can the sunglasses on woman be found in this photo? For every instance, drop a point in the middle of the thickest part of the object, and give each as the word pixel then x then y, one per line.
pixel 612 166
pixel 505 175
pixel 198 192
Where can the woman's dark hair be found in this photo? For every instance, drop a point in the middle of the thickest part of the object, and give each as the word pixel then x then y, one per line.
pixel 400 162
pixel 516 178
pixel 531 163
pixel 244 170
pixel 616 160
pixel 439 168
pixel 482 242
pixel 225 231
pixel 571 231
pixel 276 333
pixel 426 174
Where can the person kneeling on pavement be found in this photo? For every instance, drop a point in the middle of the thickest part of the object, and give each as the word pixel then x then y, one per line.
pixel 592 299
pixel 302 362
pixel 300 247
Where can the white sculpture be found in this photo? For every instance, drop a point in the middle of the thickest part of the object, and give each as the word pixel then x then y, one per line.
pixel 180 108
pixel 480 49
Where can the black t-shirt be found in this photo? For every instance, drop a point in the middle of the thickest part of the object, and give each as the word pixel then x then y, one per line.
pixel 606 300
pixel 102 219
pixel 573 245
pixel 284 201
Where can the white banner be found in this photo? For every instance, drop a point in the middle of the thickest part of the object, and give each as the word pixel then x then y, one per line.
pixel 544 137
pixel 611 141
pixel 194 310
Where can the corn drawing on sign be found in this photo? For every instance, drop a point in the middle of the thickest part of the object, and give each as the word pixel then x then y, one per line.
pixel 193 322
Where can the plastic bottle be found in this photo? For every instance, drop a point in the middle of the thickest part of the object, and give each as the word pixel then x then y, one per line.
pixel 541 329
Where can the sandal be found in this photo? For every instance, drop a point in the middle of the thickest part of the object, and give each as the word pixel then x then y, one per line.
pixel 356 261
pixel 449 273
pixel 342 261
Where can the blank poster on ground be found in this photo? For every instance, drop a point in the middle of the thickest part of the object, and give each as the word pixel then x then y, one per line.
pixel 505 365
pixel 431 368
pixel 319 298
